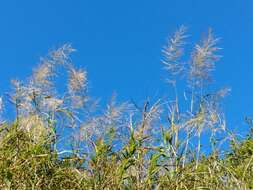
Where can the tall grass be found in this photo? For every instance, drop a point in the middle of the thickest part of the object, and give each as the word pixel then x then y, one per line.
pixel 60 140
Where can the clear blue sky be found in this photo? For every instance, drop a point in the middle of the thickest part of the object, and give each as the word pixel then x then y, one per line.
pixel 119 42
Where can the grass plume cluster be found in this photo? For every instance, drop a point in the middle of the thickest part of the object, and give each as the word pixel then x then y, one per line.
pixel 59 140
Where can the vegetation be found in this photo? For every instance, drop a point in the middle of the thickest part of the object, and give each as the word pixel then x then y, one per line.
pixel 59 139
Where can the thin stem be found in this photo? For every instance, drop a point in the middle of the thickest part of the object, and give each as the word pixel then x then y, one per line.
pixel 198 150
pixel 186 147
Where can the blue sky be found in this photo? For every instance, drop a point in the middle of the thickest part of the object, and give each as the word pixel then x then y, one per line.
pixel 119 43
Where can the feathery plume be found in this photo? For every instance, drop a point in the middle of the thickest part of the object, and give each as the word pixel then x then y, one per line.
pixel 77 80
pixel 43 73
pixel 173 51
pixel 62 54
pixel 114 111
pixel 203 59
pixel 52 104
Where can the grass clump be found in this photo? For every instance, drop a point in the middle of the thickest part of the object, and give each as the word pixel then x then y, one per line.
pixel 60 141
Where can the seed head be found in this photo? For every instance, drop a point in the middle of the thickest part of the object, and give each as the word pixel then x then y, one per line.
pixel 77 80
